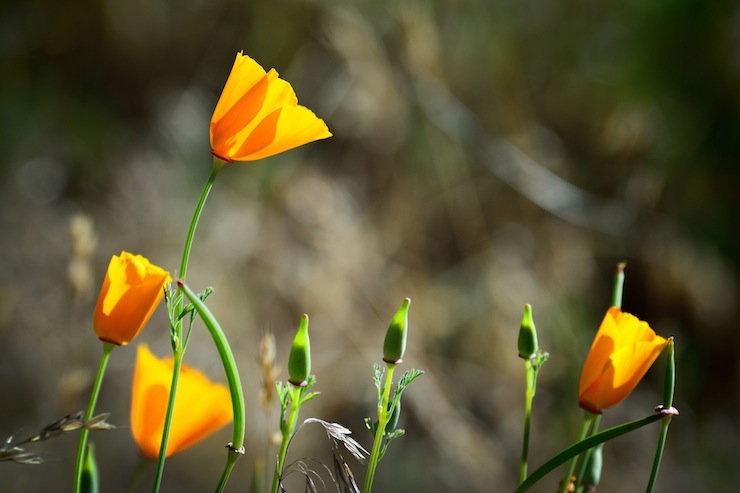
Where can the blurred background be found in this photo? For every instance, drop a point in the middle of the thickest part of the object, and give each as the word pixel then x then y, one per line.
pixel 486 154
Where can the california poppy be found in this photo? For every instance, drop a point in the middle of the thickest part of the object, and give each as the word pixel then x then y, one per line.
pixel 622 352
pixel 132 289
pixel 258 115
pixel 201 406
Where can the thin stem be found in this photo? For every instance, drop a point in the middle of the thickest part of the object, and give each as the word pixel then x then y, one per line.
pixel 138 474
pixel 168 420
pixel 587 454
pixel 287 432
pixel 585 427
pixel 229 363
pixel 618 289
pixel 580 447
pixel 194 223
pixel 531 375
pixel 230 461
pixel 107 349
pixel 383 417
pixel 670 384
pixel 177 344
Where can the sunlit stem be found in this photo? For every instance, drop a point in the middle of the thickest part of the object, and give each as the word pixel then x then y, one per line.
pixel 194 221
pixel 177 344
pixel 581 446
pixel 107 349
pixel 287 432
pixel 670 385
pixel 531 376
pixel 585 428
pixel 383 417
pixel 236 447
pixel 618 289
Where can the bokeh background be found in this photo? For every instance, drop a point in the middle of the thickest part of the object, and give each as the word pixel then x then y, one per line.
pixel 486 154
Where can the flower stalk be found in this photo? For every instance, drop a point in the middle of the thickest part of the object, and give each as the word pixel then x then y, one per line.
pixel 178 346
pixel 82 447
pixel 533 358
pixel 383 418
pixel 668 391
pixel 236 447
pixel 294 393
pixel 581 446
pixel 286 428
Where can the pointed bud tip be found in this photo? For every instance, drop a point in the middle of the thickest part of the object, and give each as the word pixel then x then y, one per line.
pixel 394 345
pixel 527 342
pixel 299 361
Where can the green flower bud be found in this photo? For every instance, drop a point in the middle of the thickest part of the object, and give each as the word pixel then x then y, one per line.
pixel 395 338
pixel 527 335
pixel 299 363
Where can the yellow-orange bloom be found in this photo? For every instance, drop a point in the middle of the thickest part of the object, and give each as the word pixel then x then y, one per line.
pixel 258 115
pixel 201 406
pixel 132 289
pixel 622 352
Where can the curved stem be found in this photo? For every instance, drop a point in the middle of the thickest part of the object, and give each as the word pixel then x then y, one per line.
pixel 383 417
pixel 580 447
pixel 236 447
pixel 107 349
pixel 194 223
pixel 177 343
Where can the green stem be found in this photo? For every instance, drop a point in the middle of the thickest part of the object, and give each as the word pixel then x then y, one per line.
pixel 669 388
pixel 295 405
pixel 587 455
pixel 585 427
pixel 107 349
pixel 236 447
pixel 178 348
pixel 618 289
pixel 581 446
pixel 230 461
pixel 138 474
pixel 383 417
pixel 179 353
pixel 531 375
pixel 194 223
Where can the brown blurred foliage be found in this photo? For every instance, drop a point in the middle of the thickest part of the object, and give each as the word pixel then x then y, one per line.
pixel 486 154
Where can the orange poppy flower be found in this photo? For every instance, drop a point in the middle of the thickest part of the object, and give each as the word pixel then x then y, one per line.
pixel 258 115
pixel 132 289
pixel 622 352
pixel 201 406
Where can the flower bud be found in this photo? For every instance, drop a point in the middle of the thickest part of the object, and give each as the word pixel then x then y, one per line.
pixel 527 343
pixel 299 363
pixel 132 289
pixel 395 338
